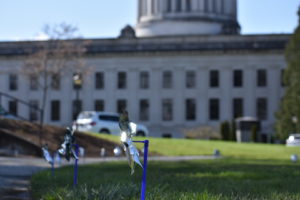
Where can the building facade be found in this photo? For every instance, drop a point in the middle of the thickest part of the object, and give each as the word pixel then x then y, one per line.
pixel 168 82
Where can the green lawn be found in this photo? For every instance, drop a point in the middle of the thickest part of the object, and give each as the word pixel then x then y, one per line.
pixel 247 171
pixel 207 179
pixel 174 147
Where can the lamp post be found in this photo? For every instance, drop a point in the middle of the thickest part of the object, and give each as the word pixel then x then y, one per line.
pixel 295 121
pixel 77 83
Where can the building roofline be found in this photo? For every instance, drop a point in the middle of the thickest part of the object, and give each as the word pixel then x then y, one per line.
pixel 203 43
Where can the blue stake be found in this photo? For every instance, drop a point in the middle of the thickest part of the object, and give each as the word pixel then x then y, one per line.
pixel 52 165
pixel 144 179
pixel 76 166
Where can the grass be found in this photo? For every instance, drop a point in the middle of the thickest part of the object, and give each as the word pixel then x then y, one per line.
pixel 179 147
pixel 207 179
pixel 247 171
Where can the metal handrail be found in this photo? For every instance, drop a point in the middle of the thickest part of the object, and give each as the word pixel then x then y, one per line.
pixel 21 102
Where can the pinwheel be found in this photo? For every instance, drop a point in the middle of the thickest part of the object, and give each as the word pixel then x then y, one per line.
pixel 67 147
pixel 128 129
pixel 46 154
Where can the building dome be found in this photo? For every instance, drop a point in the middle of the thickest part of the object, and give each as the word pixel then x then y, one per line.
pixel 186 17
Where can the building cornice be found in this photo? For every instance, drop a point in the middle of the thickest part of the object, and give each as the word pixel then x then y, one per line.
pixel 202 43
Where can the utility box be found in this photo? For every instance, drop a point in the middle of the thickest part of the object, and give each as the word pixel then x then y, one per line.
pixel 245 127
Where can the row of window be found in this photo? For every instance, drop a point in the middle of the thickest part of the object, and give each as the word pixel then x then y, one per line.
pixel 144 108
pixel 210 6
pixel 144 80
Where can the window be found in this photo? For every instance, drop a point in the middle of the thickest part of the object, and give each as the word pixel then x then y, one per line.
pixel 169 5
pixel 237 107
pixel 13 107
pixel 121 105
pixel 99 80
pixel 76 108
pixel 33 110
pixel 178 5
pixel 122 80
pixel 237 78
pixel 33 82
pixel 261 80
pixel 188 5
pixel 167 79
pixel 190 109
pixel 13 82
pixel 144 110
pixel 167 110
pixel 261 108
pixel 214 78
pixel 190 79
pixel 55 81
pixel 99 105
pixel 144 80
pixel 55 110
pixel 109 118
pixel 214 109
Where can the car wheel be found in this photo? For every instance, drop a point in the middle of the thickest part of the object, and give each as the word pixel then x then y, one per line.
pixel 105 131
pixel 140 133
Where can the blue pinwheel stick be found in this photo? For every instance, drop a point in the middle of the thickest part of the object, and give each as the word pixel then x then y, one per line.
pixel 76 165
pixel 144 179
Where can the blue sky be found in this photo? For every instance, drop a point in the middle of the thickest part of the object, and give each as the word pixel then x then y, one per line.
pixel 24 19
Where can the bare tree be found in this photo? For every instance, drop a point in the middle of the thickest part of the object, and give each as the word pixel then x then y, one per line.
pixel 49 60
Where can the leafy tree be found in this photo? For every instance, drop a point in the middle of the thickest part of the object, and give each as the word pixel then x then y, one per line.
pixel 288 115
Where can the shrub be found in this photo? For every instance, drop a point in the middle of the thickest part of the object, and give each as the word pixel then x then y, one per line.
pixel 203 132
pixel 225 130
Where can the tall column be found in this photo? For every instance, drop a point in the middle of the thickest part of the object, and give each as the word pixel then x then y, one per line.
pixel 161 7
pixel 132 100
pixel 202 104
pixel 200 5
pixel 226 91
pixel 249 84
pixel 155 81
pixel 273 83
pixel 139 7
pixel 178 100
pixel 110 98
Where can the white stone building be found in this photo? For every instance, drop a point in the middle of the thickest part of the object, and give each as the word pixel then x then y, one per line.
pixel 188 67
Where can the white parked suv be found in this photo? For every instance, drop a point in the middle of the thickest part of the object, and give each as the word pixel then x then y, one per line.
pixel 103 122
pixel 293 140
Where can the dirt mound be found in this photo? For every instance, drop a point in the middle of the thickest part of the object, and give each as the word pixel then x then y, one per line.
pixel 53 136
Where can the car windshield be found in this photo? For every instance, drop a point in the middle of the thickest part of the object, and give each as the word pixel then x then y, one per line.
pixel 85 115
pixel 109 118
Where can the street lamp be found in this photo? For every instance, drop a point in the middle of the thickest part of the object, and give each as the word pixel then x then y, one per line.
pixel 295 121
pixel 77 84
pixel 77 81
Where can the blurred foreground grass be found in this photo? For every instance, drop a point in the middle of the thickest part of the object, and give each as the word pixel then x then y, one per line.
pixel 247 171
pixel 206 179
